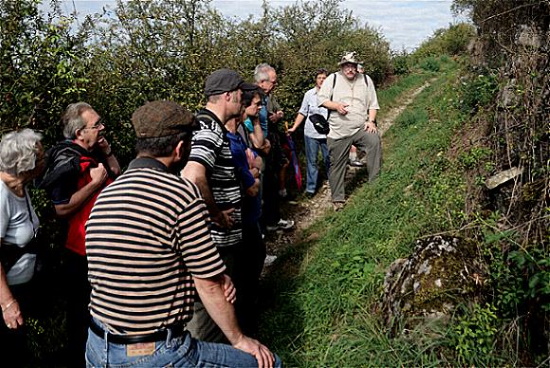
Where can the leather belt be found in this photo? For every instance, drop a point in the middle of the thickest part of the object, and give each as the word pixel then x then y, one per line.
pixel 135 339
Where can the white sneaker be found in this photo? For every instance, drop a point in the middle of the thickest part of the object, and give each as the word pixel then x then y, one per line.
pixel 269 259
pixel 281 225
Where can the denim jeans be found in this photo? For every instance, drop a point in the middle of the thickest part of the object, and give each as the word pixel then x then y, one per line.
pixel 183 351
pixel 312 150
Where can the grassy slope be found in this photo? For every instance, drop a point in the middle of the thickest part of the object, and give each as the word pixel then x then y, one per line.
pixel 326 288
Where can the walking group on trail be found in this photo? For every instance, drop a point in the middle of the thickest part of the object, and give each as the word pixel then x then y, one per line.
pixel 162 262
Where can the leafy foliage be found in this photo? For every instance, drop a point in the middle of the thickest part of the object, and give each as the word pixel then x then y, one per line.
pixel 508 82
pixel 453 40
pixel 475 333
pixel 39 60
pixel 478 91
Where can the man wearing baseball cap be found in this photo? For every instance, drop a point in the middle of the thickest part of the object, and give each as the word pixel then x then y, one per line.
pixel 351 100
pixel 150 252
pixel 211 168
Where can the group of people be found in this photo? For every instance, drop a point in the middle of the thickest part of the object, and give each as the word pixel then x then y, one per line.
pixel 347 100
pixel 163 261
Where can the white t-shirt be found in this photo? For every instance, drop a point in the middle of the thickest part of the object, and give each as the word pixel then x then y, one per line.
pixel 17 227
pixel 309 107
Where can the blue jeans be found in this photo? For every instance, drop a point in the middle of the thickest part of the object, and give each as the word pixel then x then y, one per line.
pixel 183 351
pixel 312 150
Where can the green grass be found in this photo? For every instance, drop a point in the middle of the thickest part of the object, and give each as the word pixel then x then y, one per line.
pixel 389 98
pixel 325 292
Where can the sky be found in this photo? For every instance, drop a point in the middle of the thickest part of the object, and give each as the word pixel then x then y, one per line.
pixel 404 23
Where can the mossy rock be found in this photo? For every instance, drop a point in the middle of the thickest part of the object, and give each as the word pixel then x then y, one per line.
pixel 442 273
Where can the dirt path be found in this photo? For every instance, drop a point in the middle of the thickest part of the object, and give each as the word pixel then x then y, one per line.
pixel 305 212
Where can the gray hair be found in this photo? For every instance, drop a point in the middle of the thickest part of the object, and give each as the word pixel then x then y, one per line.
pixel 261 73
pixel 18 151
pixel 72 119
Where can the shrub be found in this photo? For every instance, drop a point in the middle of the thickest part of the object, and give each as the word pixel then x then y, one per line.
pixel 430 64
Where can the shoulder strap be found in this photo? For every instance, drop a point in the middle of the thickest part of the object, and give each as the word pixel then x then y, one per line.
pixel 333 84
pixel 366 81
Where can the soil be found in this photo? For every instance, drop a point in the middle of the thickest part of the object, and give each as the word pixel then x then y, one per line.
pixel 305 211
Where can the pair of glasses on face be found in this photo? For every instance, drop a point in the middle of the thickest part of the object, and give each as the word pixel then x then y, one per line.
pixel 97 125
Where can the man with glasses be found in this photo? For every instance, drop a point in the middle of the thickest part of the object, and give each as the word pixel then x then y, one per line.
pixel 275 162
pixel 351 100
pixel 78 169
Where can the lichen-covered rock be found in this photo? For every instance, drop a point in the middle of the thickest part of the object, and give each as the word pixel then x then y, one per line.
pixel 441 273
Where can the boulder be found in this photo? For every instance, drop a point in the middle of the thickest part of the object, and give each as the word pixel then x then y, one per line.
pixel 442 272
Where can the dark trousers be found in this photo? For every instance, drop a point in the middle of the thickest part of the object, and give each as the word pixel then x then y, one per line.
pixel 248 268
pixel 271 212
pixel 14 345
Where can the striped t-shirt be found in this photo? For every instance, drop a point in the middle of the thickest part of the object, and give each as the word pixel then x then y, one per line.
pixel 210 148
pixel 146 239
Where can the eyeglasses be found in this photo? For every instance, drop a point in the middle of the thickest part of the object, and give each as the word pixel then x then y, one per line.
pixel 349 66
pixel 97 125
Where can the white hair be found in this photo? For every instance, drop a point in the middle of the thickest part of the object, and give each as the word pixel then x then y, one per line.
pixel 261 73
pixel 18 151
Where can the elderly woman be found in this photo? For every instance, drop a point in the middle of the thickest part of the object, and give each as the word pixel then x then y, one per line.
pixel 21 160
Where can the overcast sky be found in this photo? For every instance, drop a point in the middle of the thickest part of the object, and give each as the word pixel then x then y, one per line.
pixel 404 23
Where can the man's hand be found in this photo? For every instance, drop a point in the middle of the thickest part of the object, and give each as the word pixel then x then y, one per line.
pixel 266 147
pixel 225 219
pixel 229 289
pixel 103 145
pixel 262 354
pixel 98 174
pixel 291 130
pixel 276 116
pixel 370 127
pixel 342 108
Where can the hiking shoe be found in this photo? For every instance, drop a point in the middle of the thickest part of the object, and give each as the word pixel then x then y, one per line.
pixel 281 225
pixel 356 163
pixel 283 193
pixel 337 206
pixel 309 195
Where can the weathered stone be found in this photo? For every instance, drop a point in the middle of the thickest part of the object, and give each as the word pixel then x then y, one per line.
pixel 442 272
pixel 529 37
pixel 508 96
pixel 502 177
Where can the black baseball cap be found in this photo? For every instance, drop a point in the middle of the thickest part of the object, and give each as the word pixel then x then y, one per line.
pixel 225 80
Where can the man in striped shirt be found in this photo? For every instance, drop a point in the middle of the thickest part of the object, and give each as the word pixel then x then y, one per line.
pixel 211 168
pixel 150 252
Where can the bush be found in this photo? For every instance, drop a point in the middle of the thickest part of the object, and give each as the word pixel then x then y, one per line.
pixel 400 62
pixel 478 91
pixel 430 64
pixel 452 41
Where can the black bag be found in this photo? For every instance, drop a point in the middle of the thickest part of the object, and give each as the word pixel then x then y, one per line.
pixel 319 123
pixel 11 253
